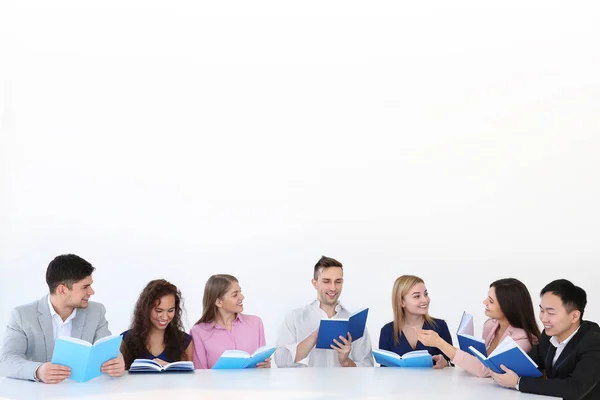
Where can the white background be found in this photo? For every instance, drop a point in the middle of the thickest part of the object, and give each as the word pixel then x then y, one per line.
pixel 457 141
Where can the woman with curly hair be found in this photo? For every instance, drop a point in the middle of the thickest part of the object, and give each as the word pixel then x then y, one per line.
pixel 156 330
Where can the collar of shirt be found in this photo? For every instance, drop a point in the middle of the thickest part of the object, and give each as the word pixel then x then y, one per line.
pixel 213 325
pixel 54 314
pixel 317 305
pixel 558 345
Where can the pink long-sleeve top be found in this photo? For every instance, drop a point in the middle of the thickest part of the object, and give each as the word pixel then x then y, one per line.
pixel 211 340
pixel 473 365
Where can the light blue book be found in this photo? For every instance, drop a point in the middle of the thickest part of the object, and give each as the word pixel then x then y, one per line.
pixel 412 359
pixel 238 359
pixel 330 329
pixel 145 365
pixel 465 335
pixel 509 354
pixel 85 359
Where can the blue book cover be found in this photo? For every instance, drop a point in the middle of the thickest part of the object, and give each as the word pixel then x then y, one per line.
pixel 85 359
pixel 238 359
pixel 330 329
pixel 412 359
pixel 509 354
pixel 145 365
pixel 465 335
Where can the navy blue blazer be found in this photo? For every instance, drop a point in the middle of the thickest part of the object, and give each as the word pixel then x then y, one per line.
pixel 386 338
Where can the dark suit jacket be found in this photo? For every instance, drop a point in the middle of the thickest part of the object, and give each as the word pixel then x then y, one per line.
pixel 576 373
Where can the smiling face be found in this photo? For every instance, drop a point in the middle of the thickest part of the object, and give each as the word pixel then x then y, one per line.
pixel 329 285
pixel 417 300
pixel 163 312
pixel 492 307
pixel 232 300
pixel 79 294
pixel 557 320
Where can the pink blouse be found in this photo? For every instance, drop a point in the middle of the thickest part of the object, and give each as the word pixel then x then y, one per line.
pixel 211 340
pixel 471 364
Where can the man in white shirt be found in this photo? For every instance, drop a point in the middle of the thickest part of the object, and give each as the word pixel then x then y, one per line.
pixel 28 344
pixel 568 350
pixel 298 335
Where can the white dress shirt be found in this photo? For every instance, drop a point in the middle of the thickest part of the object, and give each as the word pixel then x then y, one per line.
pixel 60 327
pixel 300 323
pixel 560 346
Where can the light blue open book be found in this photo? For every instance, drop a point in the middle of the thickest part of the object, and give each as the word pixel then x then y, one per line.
pixel 412 359
pixel 85 359
pixel 145 365
pixel 465 335
pixel 238 359
pixel 512 356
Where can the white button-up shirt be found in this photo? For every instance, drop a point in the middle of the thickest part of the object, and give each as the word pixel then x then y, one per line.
pixel 300 323
pixel 560 346
pixel 60 327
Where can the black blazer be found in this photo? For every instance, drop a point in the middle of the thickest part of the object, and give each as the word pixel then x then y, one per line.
pixel 576 373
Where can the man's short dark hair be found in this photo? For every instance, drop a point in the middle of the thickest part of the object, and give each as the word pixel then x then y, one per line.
pixel 67 269
pixel 572 297
pixel 325 262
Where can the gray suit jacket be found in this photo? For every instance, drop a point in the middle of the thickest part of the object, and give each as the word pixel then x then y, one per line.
pixel 29 338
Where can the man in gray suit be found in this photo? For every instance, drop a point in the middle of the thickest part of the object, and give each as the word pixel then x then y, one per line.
pixel 29 339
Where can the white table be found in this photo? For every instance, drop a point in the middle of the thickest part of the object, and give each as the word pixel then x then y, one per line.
pixel 274 384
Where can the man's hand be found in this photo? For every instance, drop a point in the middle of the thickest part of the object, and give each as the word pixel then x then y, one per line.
pixel 114 367
pixel 509 379
pixel 52 373
pixel 343 349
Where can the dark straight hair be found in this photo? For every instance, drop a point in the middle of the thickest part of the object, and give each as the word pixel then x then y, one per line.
pixel 67 269
pixel 517 306
pixel 572 297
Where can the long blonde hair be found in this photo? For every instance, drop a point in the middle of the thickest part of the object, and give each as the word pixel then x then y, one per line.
pixel 402 287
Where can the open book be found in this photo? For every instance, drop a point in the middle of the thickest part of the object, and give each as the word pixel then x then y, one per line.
pixel 85 359
pixel 330 329
pixel 412 359
pixel 465 335
pixel 512 356
pixel 144 365
pixel 238 359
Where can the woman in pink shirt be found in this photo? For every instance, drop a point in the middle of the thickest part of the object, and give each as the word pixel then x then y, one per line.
pixel 223 326
pixel 509 307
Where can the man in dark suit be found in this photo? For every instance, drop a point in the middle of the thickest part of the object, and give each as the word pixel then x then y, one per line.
pixel 568 351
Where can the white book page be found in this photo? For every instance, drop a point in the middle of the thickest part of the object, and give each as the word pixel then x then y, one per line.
pixel 415 354
pixel 106 339
pixel 261 349
pixel 507 344
pixel 235 354
pixel 188 364
pixel 466 325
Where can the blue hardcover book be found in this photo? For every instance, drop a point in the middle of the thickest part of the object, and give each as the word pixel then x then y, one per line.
pixel 465 335
pixel 238 359
pixel 330 329
pixel 412 359
pixel 509 354
pixel 145 365
pixel 85 359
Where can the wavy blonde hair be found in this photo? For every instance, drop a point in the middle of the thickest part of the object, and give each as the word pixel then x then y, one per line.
pixel 402 287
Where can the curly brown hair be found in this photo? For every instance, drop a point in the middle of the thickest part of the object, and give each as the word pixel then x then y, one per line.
pixel 137 336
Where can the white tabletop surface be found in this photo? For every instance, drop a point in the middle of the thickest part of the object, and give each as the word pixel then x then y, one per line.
pixel 274 384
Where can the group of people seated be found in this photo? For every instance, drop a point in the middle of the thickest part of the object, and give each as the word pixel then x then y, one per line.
pixel 567 351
